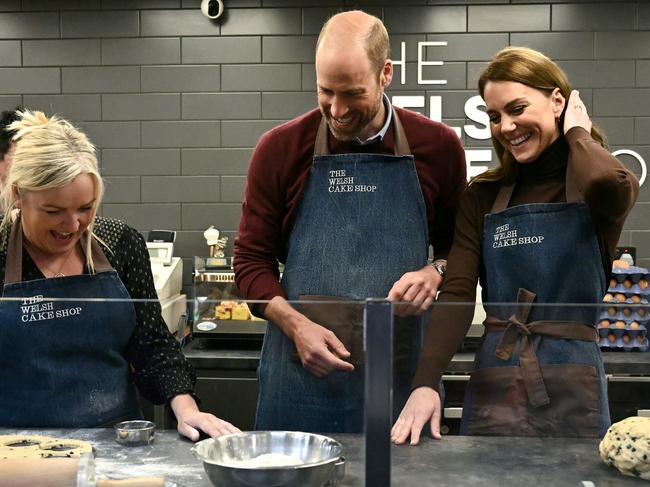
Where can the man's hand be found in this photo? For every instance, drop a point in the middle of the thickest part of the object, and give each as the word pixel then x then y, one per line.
pixel 419 288
pixel 423 405
pixel 320 351
pixel 191 420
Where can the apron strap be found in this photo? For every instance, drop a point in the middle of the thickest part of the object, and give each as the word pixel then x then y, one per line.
pixel 503 198
pixel 14 262
pixel 402 148
pixel 517 325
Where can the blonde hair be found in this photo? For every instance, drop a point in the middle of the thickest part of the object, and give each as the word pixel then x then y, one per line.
pixel 534 69
pixel 375 40
pixel 50 153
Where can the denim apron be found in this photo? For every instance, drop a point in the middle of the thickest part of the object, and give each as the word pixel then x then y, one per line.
pixel 63 361
pixel 360 226
pixel 539 371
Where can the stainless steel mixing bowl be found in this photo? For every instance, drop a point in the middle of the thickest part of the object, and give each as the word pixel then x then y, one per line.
pixel 320 455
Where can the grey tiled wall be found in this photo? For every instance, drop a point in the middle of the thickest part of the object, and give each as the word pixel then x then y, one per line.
pixel 176 102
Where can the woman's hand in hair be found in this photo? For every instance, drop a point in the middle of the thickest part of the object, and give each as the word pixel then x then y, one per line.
pixel 576 113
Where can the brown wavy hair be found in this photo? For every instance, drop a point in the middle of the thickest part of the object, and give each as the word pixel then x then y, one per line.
pixel 530 68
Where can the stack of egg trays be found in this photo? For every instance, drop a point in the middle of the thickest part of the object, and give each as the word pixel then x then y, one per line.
pixel 624 323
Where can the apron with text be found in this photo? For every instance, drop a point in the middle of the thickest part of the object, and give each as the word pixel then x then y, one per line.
pixel 63 361
pixel 360 226
pixel 539 371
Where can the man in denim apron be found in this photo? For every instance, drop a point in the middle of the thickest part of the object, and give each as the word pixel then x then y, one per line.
pixel 360 231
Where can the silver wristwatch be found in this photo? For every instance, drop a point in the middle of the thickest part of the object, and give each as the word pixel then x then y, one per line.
pixel 440 266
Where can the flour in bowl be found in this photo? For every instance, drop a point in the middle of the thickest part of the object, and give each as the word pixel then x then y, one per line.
pixel 267 460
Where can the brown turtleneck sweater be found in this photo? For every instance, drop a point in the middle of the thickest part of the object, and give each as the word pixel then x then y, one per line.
pixel 605 185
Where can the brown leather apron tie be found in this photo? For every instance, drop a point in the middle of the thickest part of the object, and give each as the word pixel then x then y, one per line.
pixel 517 325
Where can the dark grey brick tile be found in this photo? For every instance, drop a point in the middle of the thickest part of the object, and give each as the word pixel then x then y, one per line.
pixel 141 4
pixel 622 102
pixel 308 75
pixel 474 71
pixel 181 78
pixel 643 73
pixel 262 21
pixel 163 23
pixel 141 51
pixel 222 50
pixel 101 79
pixel 150 106
pixel 61 52
pixel 29 25
pixel 314 18
pixel 619 130
pixel 453 73
pixel 261 77
pixel 604 16
pixel 510 18
pixel 558 45
pixel 287 105
pixel 172 189
pixel 426 20
pixel 61 5
pixel 201 216
pixel 181 134
pixel 244 133
pixel 301 3
pixel 232 189
pixel 72 107
pixel 10 53
pixel 642 131
pixel 608 45
pixel 30 80
pixel 122 189
pixel 641 240
pixel 141 162
pixel 10 5
pixel 288 49
pixel 643 15
pixel 638 217
pixel 599 74
pixel 221 106
pixel 146 216
pixel 9 102
pixel 112 134
pixel 215 161
pixel 465 47
pixel 100 24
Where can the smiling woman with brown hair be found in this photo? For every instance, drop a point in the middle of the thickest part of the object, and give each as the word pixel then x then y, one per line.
pixel 80 322
pixel 539 229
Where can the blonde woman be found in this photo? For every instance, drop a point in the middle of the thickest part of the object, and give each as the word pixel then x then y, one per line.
pixel 69 358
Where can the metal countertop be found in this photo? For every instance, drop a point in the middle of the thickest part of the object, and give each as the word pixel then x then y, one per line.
pixel 454 461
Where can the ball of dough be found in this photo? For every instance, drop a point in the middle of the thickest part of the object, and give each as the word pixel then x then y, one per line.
pixel 626 446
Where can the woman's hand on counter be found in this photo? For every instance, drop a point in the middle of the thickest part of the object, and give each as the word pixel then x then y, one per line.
pixel 191 420
pixel 423 405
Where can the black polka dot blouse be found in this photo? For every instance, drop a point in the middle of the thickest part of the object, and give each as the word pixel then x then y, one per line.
pixel 160 371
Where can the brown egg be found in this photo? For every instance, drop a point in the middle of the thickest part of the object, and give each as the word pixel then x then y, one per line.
pixel 627 283
pixel 604 323
pixel 634 325
pixel 627 311
pixel 636 298
pixel 640 339
pixel 641 312
pixel 611 311
pixel 613 282
pixel 611 337
pixel 626 338
pixel 620 297
pixel 620 324
pixel 621 264
pixel 643 283
pixel 607 298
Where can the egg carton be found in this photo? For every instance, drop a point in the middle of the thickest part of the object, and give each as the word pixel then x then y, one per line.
pixel 625 312
pixel 625 298
pixel 619 344
pixel 621 331
pixel 635 272
pixel 629 289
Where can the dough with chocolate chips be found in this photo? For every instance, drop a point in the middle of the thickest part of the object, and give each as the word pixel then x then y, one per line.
pixel 626 446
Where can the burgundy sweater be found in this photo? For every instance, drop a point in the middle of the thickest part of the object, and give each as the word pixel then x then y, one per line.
pixel 279 170
pixel 608 188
